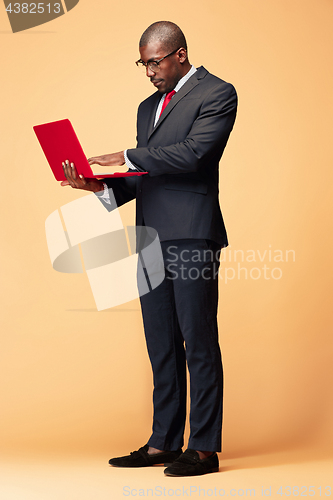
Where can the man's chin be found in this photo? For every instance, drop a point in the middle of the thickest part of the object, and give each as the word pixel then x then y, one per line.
pixel 164 90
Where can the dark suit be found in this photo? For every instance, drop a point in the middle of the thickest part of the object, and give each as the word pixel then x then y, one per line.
pixel 179 198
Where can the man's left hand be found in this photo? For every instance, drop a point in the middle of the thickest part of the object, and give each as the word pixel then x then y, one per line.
pixel 111 160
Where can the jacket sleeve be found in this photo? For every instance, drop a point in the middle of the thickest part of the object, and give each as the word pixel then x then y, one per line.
pixel 207 137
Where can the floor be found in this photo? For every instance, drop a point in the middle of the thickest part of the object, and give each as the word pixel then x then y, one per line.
pixel 276 475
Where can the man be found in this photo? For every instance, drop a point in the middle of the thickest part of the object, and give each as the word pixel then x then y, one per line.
pixel 182 130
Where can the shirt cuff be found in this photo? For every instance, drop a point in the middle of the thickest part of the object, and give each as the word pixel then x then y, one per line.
pixel 128 162
pixel 105 195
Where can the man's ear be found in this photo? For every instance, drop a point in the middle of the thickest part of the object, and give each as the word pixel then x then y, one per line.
pixel 182 54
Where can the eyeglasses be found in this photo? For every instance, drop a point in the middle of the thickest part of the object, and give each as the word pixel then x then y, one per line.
pixel 154 66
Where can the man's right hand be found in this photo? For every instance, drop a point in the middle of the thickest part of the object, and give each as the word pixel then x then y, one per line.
pixel 77 181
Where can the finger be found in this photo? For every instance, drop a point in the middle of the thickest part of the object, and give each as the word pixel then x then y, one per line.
pixel 64 183
pixel 79 180
pixel 74 172
pixel 68 173
pixel 94 161
pixel 76 179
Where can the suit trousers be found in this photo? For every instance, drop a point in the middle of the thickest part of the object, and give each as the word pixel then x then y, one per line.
pixel 180 323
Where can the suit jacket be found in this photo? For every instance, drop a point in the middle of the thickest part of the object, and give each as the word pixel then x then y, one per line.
pixel 179 196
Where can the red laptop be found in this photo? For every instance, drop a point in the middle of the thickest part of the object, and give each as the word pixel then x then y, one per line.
pixel 59 143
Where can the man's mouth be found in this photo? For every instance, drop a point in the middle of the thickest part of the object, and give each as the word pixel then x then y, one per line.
pixel 156 82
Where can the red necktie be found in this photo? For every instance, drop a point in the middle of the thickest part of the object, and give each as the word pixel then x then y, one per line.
pixel 167 99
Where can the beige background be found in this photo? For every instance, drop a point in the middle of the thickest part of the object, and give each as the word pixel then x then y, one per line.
pixel 77 381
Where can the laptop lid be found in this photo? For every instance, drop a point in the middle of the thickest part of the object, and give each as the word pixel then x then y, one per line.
pixel 59 143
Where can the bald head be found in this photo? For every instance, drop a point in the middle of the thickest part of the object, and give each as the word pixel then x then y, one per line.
pixel 168 34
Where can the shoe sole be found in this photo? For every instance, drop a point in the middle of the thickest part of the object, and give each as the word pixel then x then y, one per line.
pixel 167 464
pixel 216 469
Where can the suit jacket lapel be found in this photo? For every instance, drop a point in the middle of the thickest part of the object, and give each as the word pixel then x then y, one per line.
pixel 153 113
pixel 186 88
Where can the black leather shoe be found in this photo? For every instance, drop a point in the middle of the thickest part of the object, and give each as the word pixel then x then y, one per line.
pixel 141 458
pixel 189 464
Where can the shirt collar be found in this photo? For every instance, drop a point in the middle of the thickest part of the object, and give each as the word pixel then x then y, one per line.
pixel 183 80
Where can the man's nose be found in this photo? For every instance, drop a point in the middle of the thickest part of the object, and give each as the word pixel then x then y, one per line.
pixel 149 72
